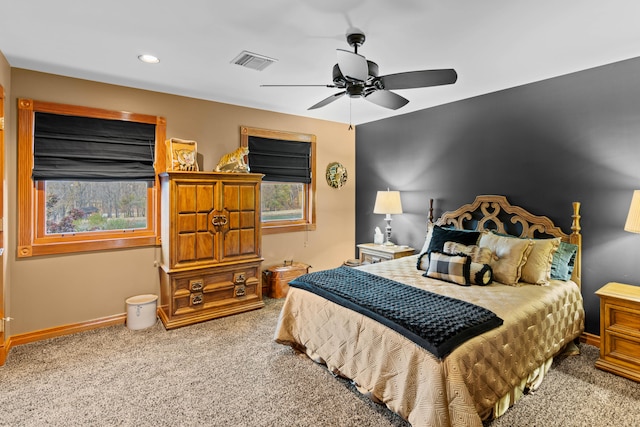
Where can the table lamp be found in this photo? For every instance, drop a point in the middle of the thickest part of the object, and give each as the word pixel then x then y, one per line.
pixel 633 218
pixel 388 203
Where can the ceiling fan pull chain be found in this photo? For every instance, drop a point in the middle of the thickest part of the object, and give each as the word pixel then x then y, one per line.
pixel 350 127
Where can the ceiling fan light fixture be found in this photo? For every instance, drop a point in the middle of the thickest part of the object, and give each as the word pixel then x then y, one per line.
pixel 148 59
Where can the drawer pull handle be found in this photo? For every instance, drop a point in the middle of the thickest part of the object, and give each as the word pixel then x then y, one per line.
pixel 240 290
pixel 196 285
pixel 196 299
pixel 219 220
pixel 240 281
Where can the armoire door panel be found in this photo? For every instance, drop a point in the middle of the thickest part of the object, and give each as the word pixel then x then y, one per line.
pixel 247 198
pixel 247 219
pixel 232 243
pixel 231 197
pixel 247 241
pixel 202 222
pixel 234 220
pixel 205 246
pixel 205 197
pixel 185 198
pixel 186 223
pixel 185 247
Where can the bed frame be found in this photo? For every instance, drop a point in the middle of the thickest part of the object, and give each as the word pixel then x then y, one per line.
pixel 490 212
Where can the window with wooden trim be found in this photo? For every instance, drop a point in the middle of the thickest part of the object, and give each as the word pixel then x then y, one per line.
pixel 87 178
pixel 287 161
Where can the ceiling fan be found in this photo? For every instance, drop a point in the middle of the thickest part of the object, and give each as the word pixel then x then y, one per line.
pixel 358 77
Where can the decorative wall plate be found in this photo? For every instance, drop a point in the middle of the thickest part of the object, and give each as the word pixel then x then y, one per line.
pixel 336 175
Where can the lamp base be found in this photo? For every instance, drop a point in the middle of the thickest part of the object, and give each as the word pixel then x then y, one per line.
pixel 387 230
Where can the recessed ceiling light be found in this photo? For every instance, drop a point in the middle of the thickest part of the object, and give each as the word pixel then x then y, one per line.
pixel 149 59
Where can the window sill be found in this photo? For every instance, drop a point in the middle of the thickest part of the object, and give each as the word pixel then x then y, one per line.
pixel 85 246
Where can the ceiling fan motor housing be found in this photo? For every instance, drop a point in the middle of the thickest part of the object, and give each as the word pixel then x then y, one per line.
pixel 340 81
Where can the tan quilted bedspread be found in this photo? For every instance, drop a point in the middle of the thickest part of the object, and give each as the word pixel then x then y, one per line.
pixel 459 390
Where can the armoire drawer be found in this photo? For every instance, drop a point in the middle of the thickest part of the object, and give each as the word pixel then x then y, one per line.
pixel 196 295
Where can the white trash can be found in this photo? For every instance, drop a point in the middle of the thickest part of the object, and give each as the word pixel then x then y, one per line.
pixel 141 311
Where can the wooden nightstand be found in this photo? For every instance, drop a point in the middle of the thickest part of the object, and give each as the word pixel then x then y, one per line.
pixel 371 253
pixel 620 330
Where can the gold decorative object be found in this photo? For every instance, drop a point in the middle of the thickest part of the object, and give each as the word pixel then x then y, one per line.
pixel 181 155
pixel 234 161
pixel 336 175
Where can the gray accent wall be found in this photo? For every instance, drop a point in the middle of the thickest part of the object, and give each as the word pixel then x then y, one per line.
pixel 543 145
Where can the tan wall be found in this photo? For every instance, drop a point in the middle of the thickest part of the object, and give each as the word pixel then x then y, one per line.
pixel 58 290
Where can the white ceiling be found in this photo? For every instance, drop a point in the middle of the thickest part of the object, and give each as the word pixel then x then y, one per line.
pixel 492 44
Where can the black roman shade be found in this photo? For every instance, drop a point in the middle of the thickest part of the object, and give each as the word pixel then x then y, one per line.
pixel 84 148
pixel 280 160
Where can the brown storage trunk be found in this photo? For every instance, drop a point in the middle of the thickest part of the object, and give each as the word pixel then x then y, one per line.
pixel 277 277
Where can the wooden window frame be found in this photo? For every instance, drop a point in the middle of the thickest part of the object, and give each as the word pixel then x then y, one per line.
pixel 309 220
pixel 32 239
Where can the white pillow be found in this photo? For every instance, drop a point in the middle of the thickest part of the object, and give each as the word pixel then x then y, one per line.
pixel 427 239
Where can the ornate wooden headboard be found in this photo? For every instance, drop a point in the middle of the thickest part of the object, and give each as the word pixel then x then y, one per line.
pixel 489 212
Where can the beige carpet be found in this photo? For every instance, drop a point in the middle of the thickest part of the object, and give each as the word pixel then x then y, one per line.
pixel 230 372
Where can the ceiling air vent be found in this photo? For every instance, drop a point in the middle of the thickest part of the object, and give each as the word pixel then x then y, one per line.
pixel 253 60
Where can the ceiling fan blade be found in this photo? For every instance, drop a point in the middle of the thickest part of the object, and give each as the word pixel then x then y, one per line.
pixel 297 85
pixel 387 99
pixel 327 100
pixel 416 79
pixel 353 66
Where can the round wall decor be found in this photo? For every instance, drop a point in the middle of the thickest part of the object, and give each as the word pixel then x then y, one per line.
pixel 336 175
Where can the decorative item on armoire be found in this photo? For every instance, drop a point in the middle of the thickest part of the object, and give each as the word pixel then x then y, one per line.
pixel 181 155
pixel 234 161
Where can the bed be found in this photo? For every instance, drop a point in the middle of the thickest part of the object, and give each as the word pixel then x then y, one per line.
pixel 476 379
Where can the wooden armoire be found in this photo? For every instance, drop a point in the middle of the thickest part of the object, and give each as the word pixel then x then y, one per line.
pixel 211 246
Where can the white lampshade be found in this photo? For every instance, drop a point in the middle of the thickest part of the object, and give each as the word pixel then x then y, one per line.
pixel 633 218
pixel 388 202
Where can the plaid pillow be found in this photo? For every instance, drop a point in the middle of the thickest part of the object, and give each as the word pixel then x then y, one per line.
pixel 448 267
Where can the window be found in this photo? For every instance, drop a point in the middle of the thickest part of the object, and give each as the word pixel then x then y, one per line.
pixel 287 161
pixel 87 178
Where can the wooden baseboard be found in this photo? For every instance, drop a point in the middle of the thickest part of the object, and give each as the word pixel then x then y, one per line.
pixel 3 353
pixel 590 339
pixel 43 334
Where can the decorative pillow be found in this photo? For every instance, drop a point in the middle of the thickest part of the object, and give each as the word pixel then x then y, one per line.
pixel 480 274
pixel 423 261
pixel 451 268
pixel 563 261
pixel 510 255
pixel 442 235
pixel 427 239
pixel 477 254
pixel 537 269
